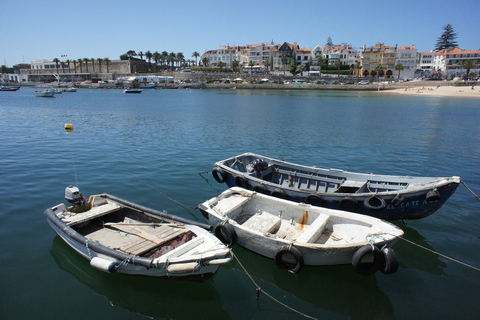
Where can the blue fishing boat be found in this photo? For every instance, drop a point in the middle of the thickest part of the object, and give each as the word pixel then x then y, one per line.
pixel 383 196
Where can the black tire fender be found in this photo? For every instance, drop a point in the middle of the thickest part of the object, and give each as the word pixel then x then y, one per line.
pixel 260 188
pixel 241 182
pixel 225 233
pixel 295 253
pixel 390 261
pixel 219 175
pixel 367 269
pixel 314 199
pixel 348 202
pixel 279 193
pixel 375 203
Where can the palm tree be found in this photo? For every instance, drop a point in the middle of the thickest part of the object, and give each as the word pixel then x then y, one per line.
pixel 164 57
pixel 140 54
pixel 399 67
pixel 68 63
pixel 320 64
pixel 266 63
pixel 468 64
pixel 56 63
pixel 251 64
pixel 235 64
pixel 180 59
pixel 378 68
pixel 284 60
pixel 106 60
pixel 338 64
pixel 75 65
pixel 62 64
pixel 99 61
pixel 357 67
pixel 205 62
pixel 93 64
pixel 221 64
pixel 80 63
pixel 195 55
pixel 86 63
pixel 156 58
pixel 171 58
pixel 149 56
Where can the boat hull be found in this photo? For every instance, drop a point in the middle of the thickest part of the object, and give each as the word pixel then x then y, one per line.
pixel 184 257
pixel 408 198
pixel 323 251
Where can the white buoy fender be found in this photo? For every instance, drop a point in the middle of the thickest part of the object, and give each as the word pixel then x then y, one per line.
pixel 183 267
pixel 103 265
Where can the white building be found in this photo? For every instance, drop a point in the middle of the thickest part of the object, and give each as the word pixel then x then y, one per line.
pixel 408 57
pixel 426 61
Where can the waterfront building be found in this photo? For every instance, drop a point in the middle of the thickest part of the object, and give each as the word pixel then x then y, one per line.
pixel 409 58
pixel 303 56
pixel 285 50
pixel 225 53
pixel 343 52
pixel 450 61
pixel 378 54
pixel 426 61
pixel 259 53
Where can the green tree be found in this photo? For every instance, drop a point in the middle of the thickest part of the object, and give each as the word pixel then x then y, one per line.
pixel 80 63
pixel 293 67
pixel 164 57
pixel 378 68
pixel 235 64
pixel 358 67
pixel 99 61
pixel 338 64
pixel 320 63
pixel 468 64
pixel 220 64
pixel 266 63
pixel 106 60
pixel 205 62
pixel 86 63
pixel 329 42
pixel 447 39
pixel 68 64
pixel 195 55
pixel 301 68
pixel 180 59
pixel 131 53
pixel 93 64
pixel 148 56
pixel 399 67
pixel 74 65
pixel 140 54
pixel 156 57
pixel 251 64
pixel 56 63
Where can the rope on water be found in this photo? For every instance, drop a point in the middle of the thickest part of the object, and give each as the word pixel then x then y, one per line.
pixel 442 255
pixel 470 190
pixel 259 289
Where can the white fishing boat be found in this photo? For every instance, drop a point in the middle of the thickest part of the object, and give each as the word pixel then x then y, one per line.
pixel 279 229
pixel 48 93
pixel 132 91
pixel 116 235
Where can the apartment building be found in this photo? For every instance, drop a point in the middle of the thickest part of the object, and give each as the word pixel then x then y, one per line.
pixel 379 54
pixel 426 62
pixel 285 50
pixel 224 53
pixel 409 58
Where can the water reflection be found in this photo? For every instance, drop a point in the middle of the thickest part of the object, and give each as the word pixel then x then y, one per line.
pixel 143 295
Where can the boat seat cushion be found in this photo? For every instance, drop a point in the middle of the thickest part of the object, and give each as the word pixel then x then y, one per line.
pixel 314 230
pixel 264 222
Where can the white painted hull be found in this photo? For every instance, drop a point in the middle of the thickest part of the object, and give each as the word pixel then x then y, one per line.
pixel 336 240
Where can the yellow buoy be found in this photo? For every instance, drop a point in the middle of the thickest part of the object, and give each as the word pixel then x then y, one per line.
pixel 68 127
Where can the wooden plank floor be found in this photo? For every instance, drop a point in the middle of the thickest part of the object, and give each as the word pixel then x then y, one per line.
pixel 129 239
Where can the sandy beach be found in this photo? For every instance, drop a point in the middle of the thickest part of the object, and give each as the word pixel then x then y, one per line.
pixel 438 91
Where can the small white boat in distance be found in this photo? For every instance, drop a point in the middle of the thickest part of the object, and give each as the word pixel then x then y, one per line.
pixel 278 229
pixel 45 93
pixel 132 91
pixel 116 235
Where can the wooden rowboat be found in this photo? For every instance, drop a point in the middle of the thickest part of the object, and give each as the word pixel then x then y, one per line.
pixel 383 196
pixel 119 236
pixel 315 236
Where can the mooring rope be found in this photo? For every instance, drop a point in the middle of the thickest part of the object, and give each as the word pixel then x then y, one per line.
pixel 259 289
pixel 442 255
pixel 470 190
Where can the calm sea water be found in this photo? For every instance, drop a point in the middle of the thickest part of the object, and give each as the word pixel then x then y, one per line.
pixel 149 146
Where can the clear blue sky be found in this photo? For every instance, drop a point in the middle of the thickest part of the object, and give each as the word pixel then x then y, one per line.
pixel 31 30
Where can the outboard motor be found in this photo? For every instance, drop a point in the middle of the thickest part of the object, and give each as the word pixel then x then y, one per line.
pixel 257 166
pixel 74 196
